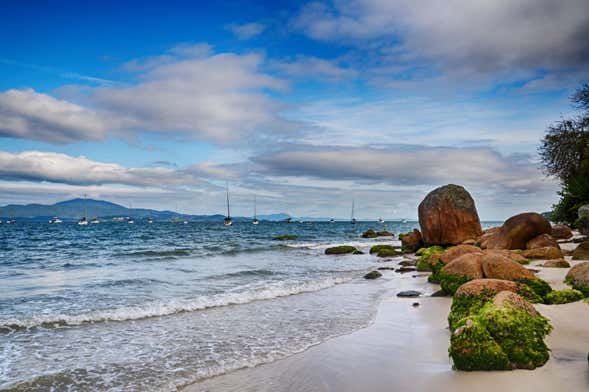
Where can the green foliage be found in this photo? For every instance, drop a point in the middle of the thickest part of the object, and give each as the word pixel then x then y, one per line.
pixel 340 250
pixel 465 305
pixel 285 237
pixel 450 282
pixel 540 287
pixel 530 295
pixel 583 289
pixel 563 296
pixel 564 153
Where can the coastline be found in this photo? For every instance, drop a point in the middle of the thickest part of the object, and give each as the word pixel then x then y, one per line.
pixel 405 348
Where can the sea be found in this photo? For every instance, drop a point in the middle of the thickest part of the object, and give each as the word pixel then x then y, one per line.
pixel 137 307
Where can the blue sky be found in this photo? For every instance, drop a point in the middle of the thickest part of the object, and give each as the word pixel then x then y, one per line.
pixel 307 105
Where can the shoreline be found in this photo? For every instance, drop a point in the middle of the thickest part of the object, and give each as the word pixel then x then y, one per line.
pixel 405 348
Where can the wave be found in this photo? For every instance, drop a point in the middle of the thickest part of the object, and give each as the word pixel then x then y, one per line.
pixel 166 308
pixel 237 274
pixel 154 253
pixel 357 244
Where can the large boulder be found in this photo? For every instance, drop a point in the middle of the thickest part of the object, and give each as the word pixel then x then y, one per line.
pixel 544 253
pixel 459 271
pixel 411 241
pixel 541 241
pixel 578 277
pixel 582 251
pixel 448 216
pixel 496 266
pixel 516 232
pixel 510 254
pixel 561 232
pixel 478 286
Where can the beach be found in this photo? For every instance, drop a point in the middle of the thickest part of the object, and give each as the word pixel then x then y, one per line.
pixel 406 349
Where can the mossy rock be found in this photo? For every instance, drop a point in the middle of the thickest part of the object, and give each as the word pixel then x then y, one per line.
pixel 369 234
pixel 341 250
pixel 563 296
pixel 473 348
pixel 423 262
pixel 285 237
pixel 384 233
pixel 450 282
pixel 490 337
pixel 388 253
pixel 378 248
pixel 373 275
pixel 538 286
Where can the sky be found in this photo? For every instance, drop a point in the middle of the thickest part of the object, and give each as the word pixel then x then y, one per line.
pixel 307 105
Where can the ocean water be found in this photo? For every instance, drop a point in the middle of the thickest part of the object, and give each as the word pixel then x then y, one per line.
pixel 156 306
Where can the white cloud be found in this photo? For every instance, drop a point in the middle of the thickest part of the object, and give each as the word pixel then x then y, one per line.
pixel 26 114
pixel 313 67
pixel 460 35
pixel 247 30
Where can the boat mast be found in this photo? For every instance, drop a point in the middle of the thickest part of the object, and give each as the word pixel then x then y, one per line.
pixel 85 206
pixel 227 188
pixel 352 209
pixel 255 215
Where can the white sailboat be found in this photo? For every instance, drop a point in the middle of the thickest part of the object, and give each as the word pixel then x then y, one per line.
pixel 380 220
pixel 83 221
pixel 227 221
pixel 55 220
pixel 353 220
pixel 130 220
pixel 255 221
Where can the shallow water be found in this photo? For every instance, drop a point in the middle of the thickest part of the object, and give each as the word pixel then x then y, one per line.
pixel 115 306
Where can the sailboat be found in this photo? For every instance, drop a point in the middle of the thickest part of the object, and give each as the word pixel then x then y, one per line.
pixel 380 220
pixel 83 221
pixel 55 220
pixel 255 221
pixel 353 220
pixel 227 221
pixel 130 220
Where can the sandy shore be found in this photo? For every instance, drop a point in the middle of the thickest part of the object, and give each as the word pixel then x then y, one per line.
pixel 405 349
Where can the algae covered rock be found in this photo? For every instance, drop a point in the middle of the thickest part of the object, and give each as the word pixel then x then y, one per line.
pixel 342 250
pixel 496 332
pixel 384 251
pixel 448 216
pixel 578 277
pixel 285 237
pixel 373 275
pixel 425 261
pixel 563 296
pixel 459 271
pixel 384 233
pixel 369 234
pixel 412 241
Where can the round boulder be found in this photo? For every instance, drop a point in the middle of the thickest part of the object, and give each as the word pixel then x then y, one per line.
pixel 448 216
pixel 496 266
pixel 454 252
pixel 559 263
pixel 582 251
pixel 561 232
pixel 578 277
pixel 411 241
pixel 478 286
pixel 544 253
pixel 541 241
pixel 516 232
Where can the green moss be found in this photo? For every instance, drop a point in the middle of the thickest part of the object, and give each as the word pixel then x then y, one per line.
pixel 341 250
pixel 529 294
pixel 466 305
pixel 563 296
pixel 540 287
pixel 485 337
pixel 285 237
pixel 473 348
pixel 582 289
pixel 369 234
pixel 423 262
pixel 378 248
pixel 388 253
pixel 520 335
pixel 450 282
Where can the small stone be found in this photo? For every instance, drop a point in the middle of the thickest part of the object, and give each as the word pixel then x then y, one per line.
pixel 373 275
pixel 415 304
pixel 409 294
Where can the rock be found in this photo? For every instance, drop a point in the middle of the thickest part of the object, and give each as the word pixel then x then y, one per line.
pixel 499 332
pixel 408 263
pixel 285 237
pixel 439 293
pixel 469 242
pixel 341 250
pixel 428 257
pixel 456 251
pixel 582 224
pixel 565 296
pixel 415 304
pixel 448 216
pixel 496 266
pixel 411 241
pixel 578 277
pixel 582 251
pixel 369 234
pixel 388 253
pixel 545 253
pixel 386 268
pixel 512 255
pixel 403 270
pixel 373 275
pixel 560 263
pixel 384 233
pixel 561 232
pixel 516 232
pixel 409 294
pixel 459 271
pixel 378 248
pixel 542 241
pixel 476 287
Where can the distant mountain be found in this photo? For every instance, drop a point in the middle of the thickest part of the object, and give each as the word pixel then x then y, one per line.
pixel 76 208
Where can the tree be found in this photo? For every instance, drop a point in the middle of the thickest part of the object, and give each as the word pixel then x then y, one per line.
pixel 564 153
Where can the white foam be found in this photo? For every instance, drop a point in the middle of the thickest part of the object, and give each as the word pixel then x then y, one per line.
pixel 160 308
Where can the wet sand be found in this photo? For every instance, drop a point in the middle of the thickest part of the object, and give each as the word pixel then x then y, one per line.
pixel 405 349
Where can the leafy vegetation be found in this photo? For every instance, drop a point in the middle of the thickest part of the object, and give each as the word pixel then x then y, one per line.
pixel 563 296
